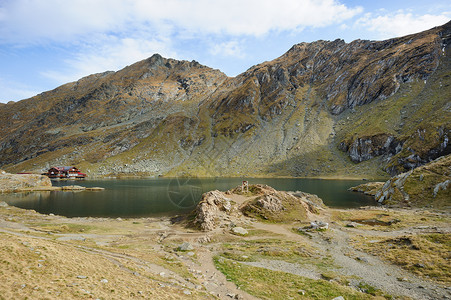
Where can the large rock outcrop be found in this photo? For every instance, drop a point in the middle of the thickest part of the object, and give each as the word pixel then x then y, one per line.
pixel 208 209
pixel 425 186
pixel 216 209
pixel 280 206
pixel 17 182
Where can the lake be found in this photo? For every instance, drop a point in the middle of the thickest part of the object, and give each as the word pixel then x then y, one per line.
pixel 168 196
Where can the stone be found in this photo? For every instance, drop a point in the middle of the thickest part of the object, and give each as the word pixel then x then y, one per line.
pixel 3 204
pixel 208 208
pixel 339 298
pixel 204 239
pixel 103 280
pixel 352 225
pixel 239 231
pixel 81 277
pixel 185 247
pixel 319 225
pixel 362 259
pixel 271 203
pixel 186 292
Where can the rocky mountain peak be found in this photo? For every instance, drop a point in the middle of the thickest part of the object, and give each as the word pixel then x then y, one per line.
pixel 374 100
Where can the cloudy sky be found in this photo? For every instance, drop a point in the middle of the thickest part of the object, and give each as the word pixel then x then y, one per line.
pixel 46 43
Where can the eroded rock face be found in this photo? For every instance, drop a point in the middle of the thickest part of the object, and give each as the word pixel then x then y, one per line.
pixel 270 202
pixel 366 148
pixel 12 182
pixel 208 208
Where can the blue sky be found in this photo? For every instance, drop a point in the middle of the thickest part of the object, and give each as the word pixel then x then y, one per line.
pixel 46 43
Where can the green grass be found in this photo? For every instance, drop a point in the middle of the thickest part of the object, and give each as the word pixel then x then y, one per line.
pixel 64 227
pixel 268 284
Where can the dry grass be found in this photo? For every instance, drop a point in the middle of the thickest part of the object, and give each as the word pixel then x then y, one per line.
pixel 42 269
pixel 427 255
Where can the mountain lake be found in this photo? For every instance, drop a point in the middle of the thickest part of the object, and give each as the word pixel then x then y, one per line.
pixel 152 197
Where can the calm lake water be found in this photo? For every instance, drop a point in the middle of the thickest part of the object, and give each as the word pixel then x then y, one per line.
pixel 168 196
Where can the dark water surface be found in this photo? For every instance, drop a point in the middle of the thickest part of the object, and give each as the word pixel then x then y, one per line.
pixel 168 196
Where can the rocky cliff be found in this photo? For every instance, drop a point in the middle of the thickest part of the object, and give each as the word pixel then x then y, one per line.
pixel 359 109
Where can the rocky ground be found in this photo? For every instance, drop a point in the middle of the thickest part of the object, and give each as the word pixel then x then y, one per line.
pixel 365 253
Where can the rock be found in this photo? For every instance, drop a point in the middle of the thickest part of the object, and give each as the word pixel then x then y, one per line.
pixel 17 182
pixel 352 225
pixel 339 298
pixel 208 208
pixel 406 189
pixel 186 292
pixel 81 277
pixel 271 203
pixel 73 188
pixel 185 247
pixel 362 259
pixel 104 280
pixel 239 231
pixel 319 225
pixel 204 239
pixel 3 204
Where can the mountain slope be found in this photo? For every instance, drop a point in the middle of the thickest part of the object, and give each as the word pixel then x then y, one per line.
pixel 322 109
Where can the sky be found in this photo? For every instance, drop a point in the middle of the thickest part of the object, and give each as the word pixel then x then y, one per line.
pixel 46 43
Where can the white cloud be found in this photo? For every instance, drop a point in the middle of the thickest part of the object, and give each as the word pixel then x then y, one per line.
pixel 231 48
pixel 401 23
pixel 37 21
pixel 108 53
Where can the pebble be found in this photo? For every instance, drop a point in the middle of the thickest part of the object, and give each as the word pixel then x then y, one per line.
pixel 162 274
pixel 339 298
pixel 104 280
pixel 186 292
pixel 81 277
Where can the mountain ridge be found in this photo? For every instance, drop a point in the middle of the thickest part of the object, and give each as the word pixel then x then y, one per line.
pixel 326 108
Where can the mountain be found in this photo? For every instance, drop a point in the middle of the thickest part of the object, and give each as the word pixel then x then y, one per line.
pixel 327 108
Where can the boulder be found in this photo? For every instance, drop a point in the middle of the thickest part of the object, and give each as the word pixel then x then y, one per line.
pixel 185 247
pixel 239 231
pixel 208 208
